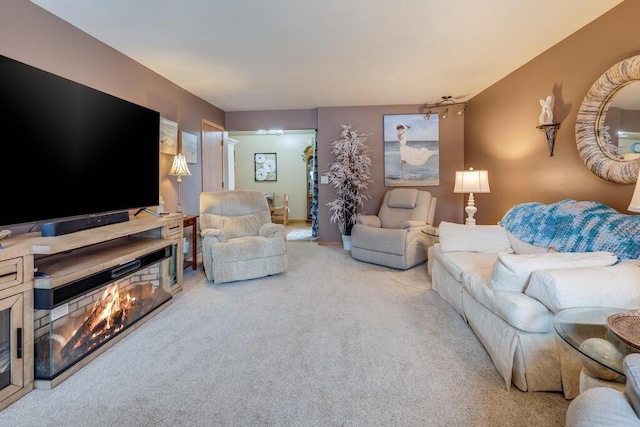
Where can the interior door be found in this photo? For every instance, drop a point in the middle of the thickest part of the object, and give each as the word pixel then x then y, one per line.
pixel 212 157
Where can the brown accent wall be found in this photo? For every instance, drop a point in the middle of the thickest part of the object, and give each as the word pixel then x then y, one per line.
pixel 34 36
pixel 500 126
pixel 368 119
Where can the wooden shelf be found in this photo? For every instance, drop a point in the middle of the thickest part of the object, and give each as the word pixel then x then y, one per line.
pixel 70 266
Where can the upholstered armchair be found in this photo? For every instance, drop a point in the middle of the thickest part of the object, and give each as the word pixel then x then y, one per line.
pixel 394 238
pixel 239 241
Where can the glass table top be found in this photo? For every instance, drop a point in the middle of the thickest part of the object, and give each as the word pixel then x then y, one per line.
pixel 586 330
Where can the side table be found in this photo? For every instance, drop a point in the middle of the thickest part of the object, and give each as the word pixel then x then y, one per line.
pixel 601 352
pixel 431 237
pixel 192 221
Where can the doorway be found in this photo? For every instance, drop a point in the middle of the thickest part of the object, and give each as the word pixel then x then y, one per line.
pixel 212 157
pixel 291 151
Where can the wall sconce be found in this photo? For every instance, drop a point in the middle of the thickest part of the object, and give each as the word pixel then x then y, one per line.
pixel 546 123
pixel 471 182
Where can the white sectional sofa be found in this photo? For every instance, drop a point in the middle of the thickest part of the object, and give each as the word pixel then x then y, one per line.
pixel 507 281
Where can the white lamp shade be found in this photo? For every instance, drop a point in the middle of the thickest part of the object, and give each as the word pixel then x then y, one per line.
pixel 179 167
pixel 472 181
pixel 634 206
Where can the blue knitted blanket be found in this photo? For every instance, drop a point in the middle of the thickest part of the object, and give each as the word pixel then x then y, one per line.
pixel 572 226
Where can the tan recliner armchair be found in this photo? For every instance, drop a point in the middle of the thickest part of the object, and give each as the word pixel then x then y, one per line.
pixel 394 238
pixel 239 241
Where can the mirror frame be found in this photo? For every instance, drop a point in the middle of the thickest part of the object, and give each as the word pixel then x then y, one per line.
pixel 590 123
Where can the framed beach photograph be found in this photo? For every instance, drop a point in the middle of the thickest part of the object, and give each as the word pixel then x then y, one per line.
pixel 266 166
pixel 411 150
pixel 168 136
pixel 190 147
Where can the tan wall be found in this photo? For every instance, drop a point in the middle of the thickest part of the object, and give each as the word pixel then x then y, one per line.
pixel 32 35
pixel 501 134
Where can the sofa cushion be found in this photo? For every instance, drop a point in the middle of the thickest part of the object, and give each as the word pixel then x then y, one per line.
pixel 511 272
pixel 521 247
pixel 613 286
pixel 473 238
pixel 515 308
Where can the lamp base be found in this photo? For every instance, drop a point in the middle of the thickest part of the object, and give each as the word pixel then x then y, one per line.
pixel 471 211
pixel 179 208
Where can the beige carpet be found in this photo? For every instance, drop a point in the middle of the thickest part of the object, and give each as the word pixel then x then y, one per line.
pixel 299 234
pixel 331 342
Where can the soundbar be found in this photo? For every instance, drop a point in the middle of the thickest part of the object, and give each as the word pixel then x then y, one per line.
pixel 59 228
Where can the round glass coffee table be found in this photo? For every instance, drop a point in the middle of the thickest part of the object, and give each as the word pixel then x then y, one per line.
pixel 586 330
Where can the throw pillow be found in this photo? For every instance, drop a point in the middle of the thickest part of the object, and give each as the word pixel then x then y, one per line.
pixel 613 286
pixel 511 271
pixel 522 247
pixel 473 238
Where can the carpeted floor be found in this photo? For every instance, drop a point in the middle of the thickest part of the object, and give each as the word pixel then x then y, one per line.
pixel 299 234
pixel 331 342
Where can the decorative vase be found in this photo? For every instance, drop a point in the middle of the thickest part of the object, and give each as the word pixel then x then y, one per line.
pixel 346 242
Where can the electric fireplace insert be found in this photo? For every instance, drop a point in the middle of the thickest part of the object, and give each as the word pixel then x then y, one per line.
pixel 75 321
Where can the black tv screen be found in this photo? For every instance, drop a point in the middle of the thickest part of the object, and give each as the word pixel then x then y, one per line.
pixel 70 151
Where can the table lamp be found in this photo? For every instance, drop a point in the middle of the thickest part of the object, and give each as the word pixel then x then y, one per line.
pixel 471 182
pixel 179 169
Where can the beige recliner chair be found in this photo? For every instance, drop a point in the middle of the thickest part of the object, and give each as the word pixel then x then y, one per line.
pixel 394 238
pixel 239 241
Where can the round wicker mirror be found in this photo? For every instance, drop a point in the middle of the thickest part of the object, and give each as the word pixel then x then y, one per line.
pixel 592 137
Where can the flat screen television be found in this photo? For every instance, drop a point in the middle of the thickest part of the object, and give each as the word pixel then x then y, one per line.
pixel 70 151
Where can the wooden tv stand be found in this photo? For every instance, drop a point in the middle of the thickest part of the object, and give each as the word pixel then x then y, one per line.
pixel 65 259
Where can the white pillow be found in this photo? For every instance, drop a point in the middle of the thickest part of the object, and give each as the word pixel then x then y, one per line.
pixel 511 271
pixel 522 247
pixel 473 238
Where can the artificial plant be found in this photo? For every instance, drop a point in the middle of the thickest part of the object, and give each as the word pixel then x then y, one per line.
pixel 350 176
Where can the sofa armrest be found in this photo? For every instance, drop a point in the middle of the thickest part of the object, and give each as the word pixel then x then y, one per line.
pixel 612 286
pixel 369 220
pixel 271 230
pixel 632 372
pixel 213 235
pixel 410 223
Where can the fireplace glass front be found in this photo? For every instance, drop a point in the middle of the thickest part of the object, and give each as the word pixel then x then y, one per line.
pixel 5 348
pixel 72 330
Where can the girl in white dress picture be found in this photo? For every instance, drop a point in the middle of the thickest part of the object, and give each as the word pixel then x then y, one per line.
pixel 411 150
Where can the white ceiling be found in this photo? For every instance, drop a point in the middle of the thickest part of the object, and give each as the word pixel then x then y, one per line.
pixel 243 55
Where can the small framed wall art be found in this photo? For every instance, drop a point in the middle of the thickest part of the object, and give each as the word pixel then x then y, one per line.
pixel 168 136
pixel 266 166
pixel 190 147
